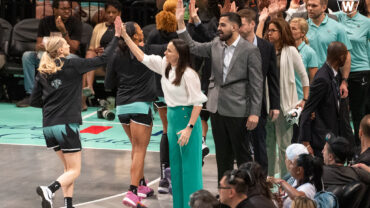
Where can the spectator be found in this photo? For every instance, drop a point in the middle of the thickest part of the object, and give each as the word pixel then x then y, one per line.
pixel 321 32
pixel 303 202
pixel 295 7
pixel 269 72
pixel 258 193
pixel 61 24
pixel 233 187
pixel 289 63
pixel 291 155
pixel 364 8
pixel 307 172
pixel 233 112
pixel 336 153
pixel 102 34
pixel 357 28
pixel 324 101
pixel 299 28
pixel 203 199
pixel 364 156
pixel 94 12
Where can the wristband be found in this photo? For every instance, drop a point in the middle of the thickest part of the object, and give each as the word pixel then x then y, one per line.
pixel 190 125
pixel 64 34
pixel 304 99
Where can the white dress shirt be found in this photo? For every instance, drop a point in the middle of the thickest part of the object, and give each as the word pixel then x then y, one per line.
pixel 228 55
pixel 187 93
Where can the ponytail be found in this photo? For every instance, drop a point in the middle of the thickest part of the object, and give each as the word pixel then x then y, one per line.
pixel 305 39
pixel 50 63
pixel 312 170
pixel 131 31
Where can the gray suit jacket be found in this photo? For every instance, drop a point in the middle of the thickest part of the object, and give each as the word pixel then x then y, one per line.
pixel 241 93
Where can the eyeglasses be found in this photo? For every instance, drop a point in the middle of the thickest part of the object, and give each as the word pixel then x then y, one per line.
pixel 272 30
pixel 65 8
pixel 223 187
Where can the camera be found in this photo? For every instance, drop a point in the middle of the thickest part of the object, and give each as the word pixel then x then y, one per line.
pixel 106 108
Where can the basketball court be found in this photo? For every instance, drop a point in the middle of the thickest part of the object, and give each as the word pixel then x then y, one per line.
pixel 105 176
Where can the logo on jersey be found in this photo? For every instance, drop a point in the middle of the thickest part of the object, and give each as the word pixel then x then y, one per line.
pixel 56 83
pixel 348 6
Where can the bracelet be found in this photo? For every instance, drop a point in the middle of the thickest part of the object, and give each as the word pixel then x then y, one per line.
pixel 304 99
pixel 345 80
pixel 64 34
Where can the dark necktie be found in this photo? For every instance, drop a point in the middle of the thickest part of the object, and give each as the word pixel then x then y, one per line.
pixel 337 85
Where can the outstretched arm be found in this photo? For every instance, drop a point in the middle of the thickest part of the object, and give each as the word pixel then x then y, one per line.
pixel 138 53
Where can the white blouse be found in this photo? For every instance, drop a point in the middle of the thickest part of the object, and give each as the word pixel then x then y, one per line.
pixel 187 93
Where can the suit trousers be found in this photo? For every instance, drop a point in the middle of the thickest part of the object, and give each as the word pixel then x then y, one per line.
pixel 259 144
pixel 279 133
pixel 185 161
pixel 231 143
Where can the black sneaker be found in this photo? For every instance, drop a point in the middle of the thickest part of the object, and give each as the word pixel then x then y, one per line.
pixel 24 103
pixel 46 196
pixel 205 149
pixel 164 186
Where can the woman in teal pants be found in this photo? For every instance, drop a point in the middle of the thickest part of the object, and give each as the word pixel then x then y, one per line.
pixel 184 98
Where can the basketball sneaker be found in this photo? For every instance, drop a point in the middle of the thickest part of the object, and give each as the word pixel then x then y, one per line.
pixel 46 196
pixel 144 191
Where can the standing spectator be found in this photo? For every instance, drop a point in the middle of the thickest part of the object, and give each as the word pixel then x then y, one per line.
pixel 61 24
pixel 57 90
pixel 269 72
pixel 235 89
pixel 289 63
pixel 357 28
pixel 102 34
pixel 181 88
pixel 321 32
pixel 364 8
pixel 364 156
pixel 324 102
pixel 299 28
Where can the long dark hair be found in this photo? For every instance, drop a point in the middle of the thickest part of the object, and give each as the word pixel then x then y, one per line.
pixel 183 62
pixel 258 178
pixel 286 36
pixel 313 170
pixel 131 31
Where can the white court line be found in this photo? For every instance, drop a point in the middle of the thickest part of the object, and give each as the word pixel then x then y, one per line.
pixel 111 197
pixel 89 115
pixel 99 122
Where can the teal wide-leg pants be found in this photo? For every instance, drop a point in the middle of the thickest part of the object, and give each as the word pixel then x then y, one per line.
pixel 186 161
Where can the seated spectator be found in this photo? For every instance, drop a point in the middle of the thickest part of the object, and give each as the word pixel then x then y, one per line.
pixel 232 189
pixel 291 155
pixel 203 199
pixel 364 133
pixel 44 9
pixel 335 153
pixel 60 24
pixel 2 55
pixel 258 193
pixel 303 202
pixel 102 34
pixel 307 172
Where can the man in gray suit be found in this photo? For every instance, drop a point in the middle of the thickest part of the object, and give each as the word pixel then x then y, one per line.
pixel 235 89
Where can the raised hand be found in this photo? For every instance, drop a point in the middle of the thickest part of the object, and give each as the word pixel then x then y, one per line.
pixel 226 8
pixel 60 25
pixel 282 5
pixel 180 11
pixel 118 26
pixel 193 12
pixel 263 15
pixel 233 7
pixel 273 8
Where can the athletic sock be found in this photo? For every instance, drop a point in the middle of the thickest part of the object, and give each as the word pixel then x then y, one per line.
pixel 54 186
pixel 68 202
pixel 204 139
pixel 142 182
pixel 133 189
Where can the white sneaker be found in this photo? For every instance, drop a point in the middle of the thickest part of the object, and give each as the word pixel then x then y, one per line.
pixel 46 196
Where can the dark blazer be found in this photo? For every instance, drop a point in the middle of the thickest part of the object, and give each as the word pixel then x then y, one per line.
pixel 272 73
pixel 323 100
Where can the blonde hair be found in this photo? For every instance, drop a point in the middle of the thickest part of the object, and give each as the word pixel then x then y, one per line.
pixel 303 26
pixel 303 202
pixel 48 64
